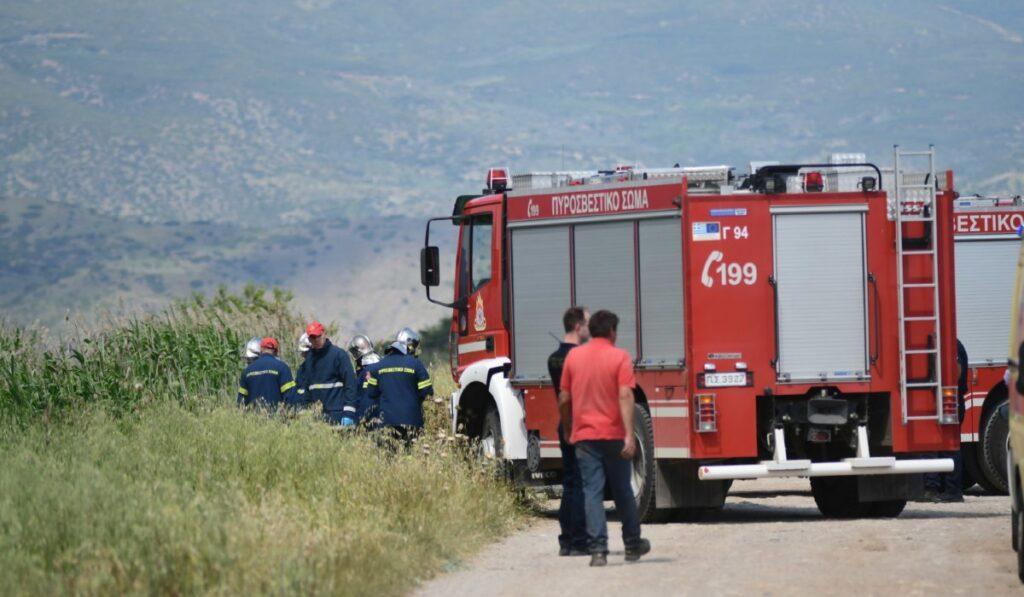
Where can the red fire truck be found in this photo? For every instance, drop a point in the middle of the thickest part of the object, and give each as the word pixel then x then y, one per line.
pixel 778 329
pixel 987 245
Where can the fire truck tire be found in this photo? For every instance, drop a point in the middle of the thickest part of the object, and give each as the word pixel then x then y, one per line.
pixel 886 509
pixel 491 443
pixel 994 431
pixel 837 497
pixel 643 465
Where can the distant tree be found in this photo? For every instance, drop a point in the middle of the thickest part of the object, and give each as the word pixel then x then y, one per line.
pixel 434 340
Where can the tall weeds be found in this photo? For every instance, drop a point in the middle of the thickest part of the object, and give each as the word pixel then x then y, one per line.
pixel 126 469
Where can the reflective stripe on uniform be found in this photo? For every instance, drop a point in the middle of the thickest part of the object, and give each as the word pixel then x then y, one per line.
pixel 351 409
pixel 287 386
pixel 262 372
pixel 370 382
pixel 397 370
pixel 326 386
pixel 243 391
pixel 300 391
pixel 423 384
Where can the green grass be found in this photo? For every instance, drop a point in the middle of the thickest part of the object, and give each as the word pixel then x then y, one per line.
pixel 106 488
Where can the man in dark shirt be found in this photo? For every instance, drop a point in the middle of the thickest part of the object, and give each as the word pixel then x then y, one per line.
pixel 573 538
pixel 948 487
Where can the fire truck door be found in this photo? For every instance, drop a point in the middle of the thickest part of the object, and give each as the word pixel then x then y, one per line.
pixel 821 281
pixel 480 324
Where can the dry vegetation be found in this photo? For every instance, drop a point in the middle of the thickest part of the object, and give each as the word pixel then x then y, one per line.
pixel 126 469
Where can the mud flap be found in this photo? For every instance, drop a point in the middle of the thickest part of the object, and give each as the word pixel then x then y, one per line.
pixel 882 488
pixel 678 487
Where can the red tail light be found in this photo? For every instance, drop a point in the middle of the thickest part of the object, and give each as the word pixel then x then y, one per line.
pixel 950 414
pixel 705 415
pixel 814 182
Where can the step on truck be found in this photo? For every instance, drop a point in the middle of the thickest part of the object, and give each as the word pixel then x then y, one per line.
pixel 987 243
pixel 778 329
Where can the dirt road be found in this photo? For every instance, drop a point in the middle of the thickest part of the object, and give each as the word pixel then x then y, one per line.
pixel 769 540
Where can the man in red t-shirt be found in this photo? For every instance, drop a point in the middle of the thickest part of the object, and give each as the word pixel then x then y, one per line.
pixel 596 403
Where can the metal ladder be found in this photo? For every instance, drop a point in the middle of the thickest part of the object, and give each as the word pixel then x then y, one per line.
pixel 920 209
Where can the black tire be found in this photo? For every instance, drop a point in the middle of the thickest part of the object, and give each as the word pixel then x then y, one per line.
pixel 644 472
pixel 837 497
pixel 886 509
pixel 992 443
pixel 491 442
pixel 972 466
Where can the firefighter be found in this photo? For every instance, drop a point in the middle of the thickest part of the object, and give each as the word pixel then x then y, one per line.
pixel 327 377
pixel 397 387
pixel 300 390
pixel 361 349
pixel 573 539
pixel 267 381
pixel 251 352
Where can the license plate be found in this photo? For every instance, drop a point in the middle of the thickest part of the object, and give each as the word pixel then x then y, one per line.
pixel 723 380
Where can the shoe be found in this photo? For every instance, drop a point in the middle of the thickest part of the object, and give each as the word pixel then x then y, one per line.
pixel 598 559
pixel 563 551
pixel 930 496
pixel 949 498
pixel 633 553
pixel 572 551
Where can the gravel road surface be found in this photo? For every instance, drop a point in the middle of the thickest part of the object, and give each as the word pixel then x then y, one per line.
pixel 769 540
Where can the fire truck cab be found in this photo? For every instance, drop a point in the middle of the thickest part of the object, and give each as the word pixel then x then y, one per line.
pixel 779 326
pixel 987 240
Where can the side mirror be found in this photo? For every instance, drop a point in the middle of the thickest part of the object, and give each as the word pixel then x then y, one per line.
pixel 430 274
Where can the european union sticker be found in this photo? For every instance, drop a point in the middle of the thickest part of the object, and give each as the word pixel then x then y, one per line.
pixel 738 211
pixel 707 231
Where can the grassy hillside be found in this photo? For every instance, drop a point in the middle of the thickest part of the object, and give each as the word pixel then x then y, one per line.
pixel 127 470
pixel 246 122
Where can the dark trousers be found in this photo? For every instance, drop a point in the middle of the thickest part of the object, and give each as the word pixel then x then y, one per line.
pixel 600 460
pixel 571 516
pixel 951 483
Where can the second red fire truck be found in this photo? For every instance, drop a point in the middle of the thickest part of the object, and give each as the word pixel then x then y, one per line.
pixel 778 329
pixel 987 241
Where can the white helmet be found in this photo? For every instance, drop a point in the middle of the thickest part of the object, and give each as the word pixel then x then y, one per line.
pixel 304 344
pixel 369 359
pixel 360 346
pixel 410 339
pixel 252 348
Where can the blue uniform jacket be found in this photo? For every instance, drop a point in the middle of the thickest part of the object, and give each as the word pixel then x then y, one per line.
pixel 396 387
pixel 328 378
pixel 364 406
pixel 266 382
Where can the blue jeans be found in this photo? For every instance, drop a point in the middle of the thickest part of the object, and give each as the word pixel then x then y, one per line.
pixel 951 483
pixel 570 513
pixel 600 460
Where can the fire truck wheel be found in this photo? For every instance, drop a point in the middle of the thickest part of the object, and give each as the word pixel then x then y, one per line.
pixel 643 465
pixel 836 497
pixel 886 509
pixel 994 431
pixel 490 435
